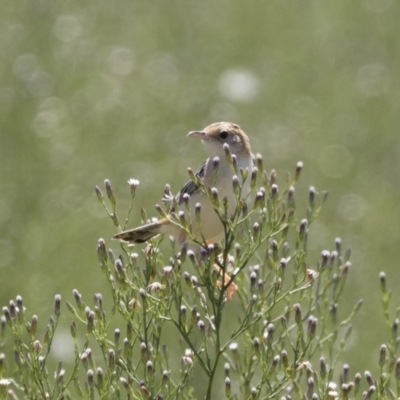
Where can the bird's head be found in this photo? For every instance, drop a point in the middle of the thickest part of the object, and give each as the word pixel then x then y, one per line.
pixel 216 135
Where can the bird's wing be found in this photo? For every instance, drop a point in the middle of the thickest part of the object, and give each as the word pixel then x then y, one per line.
pixel 190 186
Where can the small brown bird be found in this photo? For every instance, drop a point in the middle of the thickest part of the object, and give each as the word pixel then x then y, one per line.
pixel 214 137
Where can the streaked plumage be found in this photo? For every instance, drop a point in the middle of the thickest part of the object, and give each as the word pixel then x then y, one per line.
pixel 214 137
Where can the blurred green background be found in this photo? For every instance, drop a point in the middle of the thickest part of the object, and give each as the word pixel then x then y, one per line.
pixel 109 89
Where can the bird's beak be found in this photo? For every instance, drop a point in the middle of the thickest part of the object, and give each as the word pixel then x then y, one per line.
pixel 198 134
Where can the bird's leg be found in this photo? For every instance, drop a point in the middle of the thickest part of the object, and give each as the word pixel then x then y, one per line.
pixel 231 287
pixel 201 252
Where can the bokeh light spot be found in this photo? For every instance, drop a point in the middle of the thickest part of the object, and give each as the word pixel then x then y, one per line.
pixel 373 80
pixel 67 28
pixel 352 207
pixel 121 61
pixel 25 65
pixel 239 85
pixel 63 345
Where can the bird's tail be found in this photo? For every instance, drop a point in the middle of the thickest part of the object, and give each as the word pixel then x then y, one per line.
pixel 142 233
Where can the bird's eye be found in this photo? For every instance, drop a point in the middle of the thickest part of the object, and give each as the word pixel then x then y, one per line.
pixel 223 135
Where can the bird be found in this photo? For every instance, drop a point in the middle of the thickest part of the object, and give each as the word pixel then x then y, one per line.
pixel 216 138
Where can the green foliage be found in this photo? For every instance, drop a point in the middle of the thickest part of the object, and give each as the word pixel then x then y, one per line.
pixel 285 336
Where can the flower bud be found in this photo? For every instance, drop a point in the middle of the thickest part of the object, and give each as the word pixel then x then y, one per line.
pixel 2 363
pixel 285 359
pixel 111 256
pixel 144 352
pixel 183 312
pixel 125 383
pixel 37 346
pixel 74 330
pixel 227 368
pixel 110 194
pixel 397 369
pixel 382 278
pixel 145 391
pixel 186 277
pixel 111 360
pixel 310 385
pixel 382 355
pixel 90 321
pixel 235 164
pixel 256 345
pixel 303 228
pixel 185 199
pixel 357 380
pixel 322 367
pixel 99 193
pixel 89 357
pixel 167 191
pixel 127 351
pixel 119 267
pixel 297 313
pixel 346 370
pixel 214 197
pixel 101 251
pixel 13 309
pixel 235 184
pixel 338 244
pixel 312 327
pixel 256 231
pixel 325 256
pixel 194 313
pixel 100 377
pixel 253 178
pixel 259 162
pixel 149 367
pixel 33 327
pixel 233 347
pixel 259 201
pixel 133 183
pixel 228 154
pixel 89 377
pixel 299 168
pixel 311 197
pixel 20 306
pixel 165 377
pixel 290 198
pixel 368 377
pixel 198 213
pixel 215 162
pixel 370 392
pixel 201 326
pixel 227 387
pixel 78 299
pixel 395 327
pixel 237 250
pixel 274 191
pixel 57 305
pixel 194 281
pixel 253 279
pixel 272 177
